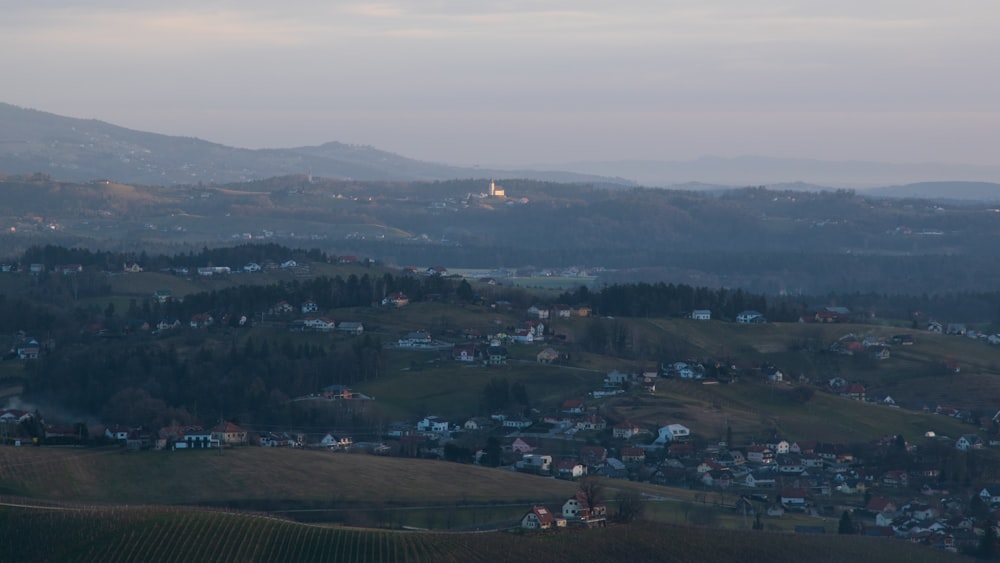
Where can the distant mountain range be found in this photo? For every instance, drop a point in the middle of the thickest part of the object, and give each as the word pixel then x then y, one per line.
pixel 87 149
pixel 756 171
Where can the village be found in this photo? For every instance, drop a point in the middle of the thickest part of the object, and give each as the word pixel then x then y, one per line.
pixel 890 487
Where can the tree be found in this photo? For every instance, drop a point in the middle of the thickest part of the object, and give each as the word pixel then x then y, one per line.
pixel 464 291
pixel 987 548
pixel 519 395
pixel 846 525
pixel 592 491
pixel 496 395
pixel 491 457
pixel 630 506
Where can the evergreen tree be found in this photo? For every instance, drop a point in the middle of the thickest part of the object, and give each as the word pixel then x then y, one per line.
pixel 846 525
pixel 464 291
pixel 988 543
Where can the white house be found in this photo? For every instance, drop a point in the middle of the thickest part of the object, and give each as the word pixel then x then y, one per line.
pixel 616 378
pixel 251 267
pixel 198 439
pixel 432 424
pixel 518 422
pixel 336 443
pixel 625 430
pixel 672 432
pixel 537 313
pixel 969 442
pixel 569 469
pixel 748 317
pixel 415 340
pixel 759 481
pixel 309 307
pixel 537 462
pixel 701 315
pixel 990 494
pixel 781 447
pixel 524 336
pixel 579 507
pixel 539 518
pixel 119 433
pixel 321 324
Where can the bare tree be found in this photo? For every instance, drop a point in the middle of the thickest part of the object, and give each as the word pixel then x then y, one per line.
pixel 592 491
pixel 630 506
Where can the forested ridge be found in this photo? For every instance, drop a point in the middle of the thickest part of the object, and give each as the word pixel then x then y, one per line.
pixel 130 375
pixel 758 239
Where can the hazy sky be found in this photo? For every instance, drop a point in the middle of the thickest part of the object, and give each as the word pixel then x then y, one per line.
pixel 516 82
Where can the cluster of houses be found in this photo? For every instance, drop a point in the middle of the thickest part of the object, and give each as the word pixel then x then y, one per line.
pixel 224 434
pixel 944 522
pixel 959 329
pixel 576 511
pixel 876 347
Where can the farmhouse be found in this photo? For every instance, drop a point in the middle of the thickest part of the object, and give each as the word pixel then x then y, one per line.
pixel 701 315
pixel 579 510
pixel 466 353
pixel 625 430
pixel 539 518
pixel 230 434
pixel 27 349
pixel 397 299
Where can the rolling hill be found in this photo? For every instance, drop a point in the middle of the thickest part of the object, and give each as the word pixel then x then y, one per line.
pixel 33 141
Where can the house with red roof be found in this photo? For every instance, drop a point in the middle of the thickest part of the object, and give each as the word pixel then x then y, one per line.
pixel 855 391
pixel 633 455
pixel 539 518
pixel 578 510
pixel 397 299
pixel 522 446
pixel 594 456
pixel 227 433
pixel 880 504
pixel 625 430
